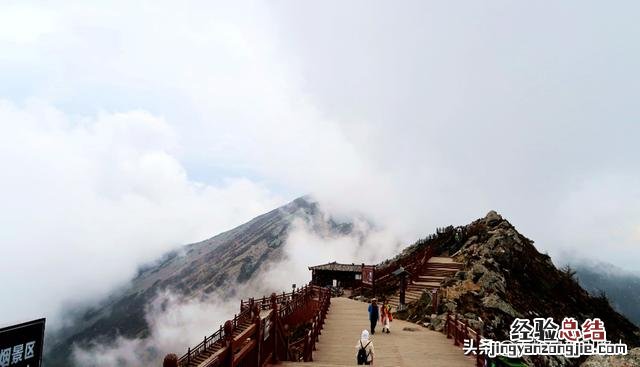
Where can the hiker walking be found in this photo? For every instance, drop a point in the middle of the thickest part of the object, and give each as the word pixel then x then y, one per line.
pixel 374 315
pixel 365 349
pixel 386 317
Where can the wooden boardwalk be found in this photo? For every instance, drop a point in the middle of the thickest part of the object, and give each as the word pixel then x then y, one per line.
pixel 420 347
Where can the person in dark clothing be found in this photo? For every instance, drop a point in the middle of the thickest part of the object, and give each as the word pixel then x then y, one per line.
pixel 374 315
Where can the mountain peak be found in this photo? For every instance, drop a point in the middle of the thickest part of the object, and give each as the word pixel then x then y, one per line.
pixel 505 277
pixel 492 218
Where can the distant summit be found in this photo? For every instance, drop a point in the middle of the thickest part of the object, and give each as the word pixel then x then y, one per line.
pixel 620 287
pixel 229 258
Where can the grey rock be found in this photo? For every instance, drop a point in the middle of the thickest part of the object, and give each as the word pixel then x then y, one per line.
pixel 631 359
pixel 492 218
pixel 492 281
pixel 437 324
pixel 493 301
pixel 476 324
pixel 477 270
pixel 449 306
pixel 460 275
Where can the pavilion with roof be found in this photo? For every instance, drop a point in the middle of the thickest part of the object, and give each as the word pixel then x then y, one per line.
pixel 337 275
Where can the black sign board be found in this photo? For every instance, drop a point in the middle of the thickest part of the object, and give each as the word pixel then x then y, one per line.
pixel 21 345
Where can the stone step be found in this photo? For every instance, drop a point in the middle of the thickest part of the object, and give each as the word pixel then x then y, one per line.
pixel 424 285
pixel 456 266
pixel 440 259
pixel 438 273
pixel 428 278
pixel 442 270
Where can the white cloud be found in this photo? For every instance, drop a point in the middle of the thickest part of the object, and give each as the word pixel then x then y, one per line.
pixel 86 201
pixel 21 23
pixel 174 325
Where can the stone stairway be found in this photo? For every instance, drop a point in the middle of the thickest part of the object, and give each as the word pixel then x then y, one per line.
pixel 407 345
pixel 438 268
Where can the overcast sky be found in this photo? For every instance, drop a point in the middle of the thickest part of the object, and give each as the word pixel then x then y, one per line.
pixel 129 129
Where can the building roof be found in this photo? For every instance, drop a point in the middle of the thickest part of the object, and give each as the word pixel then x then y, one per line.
pixel 334 266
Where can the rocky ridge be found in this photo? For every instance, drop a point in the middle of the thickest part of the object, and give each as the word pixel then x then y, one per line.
pixel 505 277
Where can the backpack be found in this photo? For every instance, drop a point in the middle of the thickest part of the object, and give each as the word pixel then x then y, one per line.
pixel 362 354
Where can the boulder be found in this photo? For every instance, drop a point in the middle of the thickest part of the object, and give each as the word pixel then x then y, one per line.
pixel 632 358
pixel 437 323
pixel 495 302
pixel 492 281
pixel 492 218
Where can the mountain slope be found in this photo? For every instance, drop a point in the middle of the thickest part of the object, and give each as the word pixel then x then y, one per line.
pixel 621 288
pixel 227 259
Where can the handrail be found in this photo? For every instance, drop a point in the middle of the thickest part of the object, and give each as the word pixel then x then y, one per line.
pixel 264 303
pixel 415 261
pixel 414 264
pixel 247 330
pixel 206 343
pixel 460 331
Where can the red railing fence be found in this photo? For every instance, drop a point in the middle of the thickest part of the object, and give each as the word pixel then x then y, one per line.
pixel 260 333
pixel 459 331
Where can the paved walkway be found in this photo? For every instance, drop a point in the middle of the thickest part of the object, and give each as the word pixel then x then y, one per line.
pixel 346 320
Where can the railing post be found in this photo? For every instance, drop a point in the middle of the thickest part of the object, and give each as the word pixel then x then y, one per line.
pixel 373 280
pixel 456 330
pixel 258 335
pixel 447 325
pixel 228 340
pixel 170 360
pixel 287 347
pixel 189 355
pixel 275 317
pixel 465 334
pixel 306 347
pixel 479 361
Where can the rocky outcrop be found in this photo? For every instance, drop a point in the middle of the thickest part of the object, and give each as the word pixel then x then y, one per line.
pixel 505 277
pixel 629 360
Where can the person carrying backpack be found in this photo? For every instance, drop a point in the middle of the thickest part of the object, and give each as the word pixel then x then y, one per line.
pixel 365 349
pixel 374 315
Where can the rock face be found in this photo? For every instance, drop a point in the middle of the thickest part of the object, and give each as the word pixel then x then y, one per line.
pixel 631 359
pixel 229 258
pixel 505 277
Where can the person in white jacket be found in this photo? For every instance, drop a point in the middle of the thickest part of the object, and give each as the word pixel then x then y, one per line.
pixel 367 346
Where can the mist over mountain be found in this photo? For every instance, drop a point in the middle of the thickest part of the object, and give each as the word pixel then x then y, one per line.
pixel 620 287
pixel 215 267
pixel 188 292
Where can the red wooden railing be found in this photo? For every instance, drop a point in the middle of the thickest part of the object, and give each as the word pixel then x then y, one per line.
pixel 459 330
pixel 413 263
pixel 307 344
pixel 283 299
pixel 259 334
